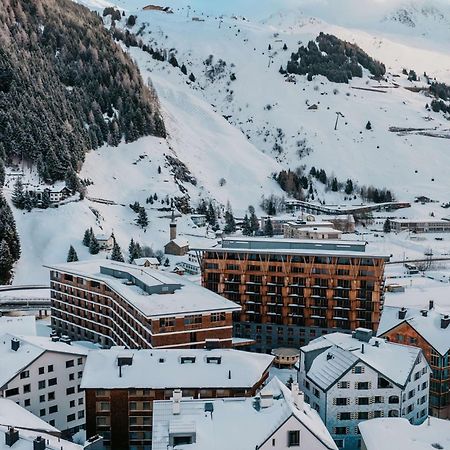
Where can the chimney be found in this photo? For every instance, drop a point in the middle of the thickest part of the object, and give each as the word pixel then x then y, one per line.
pixel 15 344
pixel 173 227
pixel 229 374
pixel 266 399
pixel 431 304
pixel 362 348
pixel 176 401
pixel 424 312
pixel 297 396
pixel 11 437
pixel 377 343
pixel 39 443
pixel 445 321
pixel 402 313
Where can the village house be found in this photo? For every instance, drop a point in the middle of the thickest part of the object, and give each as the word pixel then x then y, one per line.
pixel 105 242
pixel 176 246
pixel 276 418
pixel 147 261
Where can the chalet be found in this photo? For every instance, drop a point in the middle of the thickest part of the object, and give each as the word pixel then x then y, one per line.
pixel 178 247
pixel 105 242
pixel 147 261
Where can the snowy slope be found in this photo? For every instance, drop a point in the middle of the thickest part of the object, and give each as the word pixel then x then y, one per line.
pixel 240 150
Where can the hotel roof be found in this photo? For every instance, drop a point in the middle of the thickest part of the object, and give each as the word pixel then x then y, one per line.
pixel 173 368
pixel 153 292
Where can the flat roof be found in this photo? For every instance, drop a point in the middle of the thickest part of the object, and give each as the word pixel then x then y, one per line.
pixel 182 297
pixel 175 368
pixel 314 252
pixel 397 433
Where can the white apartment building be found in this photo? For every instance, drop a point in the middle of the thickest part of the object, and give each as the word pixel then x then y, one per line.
pixel 276 419
pixel 351 378
pixel 44 377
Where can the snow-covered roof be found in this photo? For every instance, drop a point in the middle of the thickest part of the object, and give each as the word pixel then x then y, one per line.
pixel 421 221
pixel 102 237
pixel 13 415
pixel 151 260
pixel 180 242
pixel 172 368
pixel 24 325
pixel 183 298
pixel 428 326
pixel 341 351
pixel 399 434
pixel 232 414
pixel 30 348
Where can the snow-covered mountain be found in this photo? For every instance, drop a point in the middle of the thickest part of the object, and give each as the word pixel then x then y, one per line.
pixel 241 121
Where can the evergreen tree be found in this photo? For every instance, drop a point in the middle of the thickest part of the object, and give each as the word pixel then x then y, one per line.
pixel 183 69
pixel 254 222
pixel 87 237
pixel 6 263
pixel 142 219
pixel 159 169
pixel 202 207
pixel 167 262
pixel 45 202
pixel 211 214
pixel 268 228
pixel 387 226
pixel 246 227
pixel 28 202
pixel 192 77
pixel 116 254
pixel 72 180
pixel 368 125
pixel 349 187
pixel 334 185
pixel 230 224
pixel 2 173
pixel 72 255
pixel 134 251
pixel 94 246
pixel 18 195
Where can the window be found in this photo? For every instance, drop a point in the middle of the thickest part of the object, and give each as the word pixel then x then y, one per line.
pixel 340 430
pixel 378 399
pixel 53 409
pixel 41 398
pixel 105 406
pixel 41 384
pixel 362 400
pixel 81 414
pixel 25 374
pixel 194 319
pixel 70 391
pixel 27 388
pixel 41 370
pixel 71 376
pixel 344 416
pixel 363 415
pixel 393 399
pixel 80 361
pixel 218 317
pixel 341 401
pixel 50 368
pixel 411 393
pixel 102 421
pixel 70 363
pixel 358 369
pixel 70 417
pixel 42 412
pixel 27 402
pixel 52 381
pixel 72 404
pixel 80 401
pixel 167 322
pixel 80 374
pixel 343 385
pixel 316 392
pixel 294 438
pixel 362 385
pixel 378 414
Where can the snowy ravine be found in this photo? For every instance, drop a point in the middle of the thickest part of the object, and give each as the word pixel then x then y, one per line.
pixel 240 150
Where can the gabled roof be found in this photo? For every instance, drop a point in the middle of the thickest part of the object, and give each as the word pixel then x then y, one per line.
pixel 150 259
pixel 428 326
pixel 393 361
pixel 231 416
pixel 30 348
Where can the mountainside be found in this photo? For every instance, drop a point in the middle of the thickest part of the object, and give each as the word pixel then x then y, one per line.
pixel 237 123
pixel 66 87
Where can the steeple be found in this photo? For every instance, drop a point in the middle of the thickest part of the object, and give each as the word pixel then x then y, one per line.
pixel 173 227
